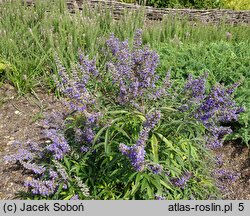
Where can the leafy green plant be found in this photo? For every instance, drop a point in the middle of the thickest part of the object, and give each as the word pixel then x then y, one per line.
pixel 198 4
pixel 145 138
pixel 221 61
pixel 5 67
pixel 237 5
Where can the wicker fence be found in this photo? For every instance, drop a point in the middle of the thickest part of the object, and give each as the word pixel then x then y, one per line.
pixel 206 16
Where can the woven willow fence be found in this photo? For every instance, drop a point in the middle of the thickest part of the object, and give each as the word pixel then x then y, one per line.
pixel 118 9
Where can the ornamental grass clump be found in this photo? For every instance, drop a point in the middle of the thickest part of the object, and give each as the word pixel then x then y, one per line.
pixel 126 134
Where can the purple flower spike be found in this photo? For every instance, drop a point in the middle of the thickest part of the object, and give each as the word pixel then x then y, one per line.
pixel 225 176
pixel 59 146
pixel 196 87
pixel 35 168
pixel 155 168
pixel 75 197
pixel 219 160
pixel 133 70
pixel 84 149
pixel 158 197
pixel 182 181
pixel 75 87
pixel 53 174
pixel 152 120
pixel 45 188
pixel 137 153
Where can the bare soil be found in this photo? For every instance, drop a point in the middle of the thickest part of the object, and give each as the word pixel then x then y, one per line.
pixel 20 120
pixel 236 157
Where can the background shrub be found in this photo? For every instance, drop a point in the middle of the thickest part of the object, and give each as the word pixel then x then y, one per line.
pixel 236 4
pixel 197 4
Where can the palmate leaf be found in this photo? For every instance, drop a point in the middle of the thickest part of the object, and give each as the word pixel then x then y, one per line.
pixel 68 197
pixel 199 144
pixel 106 142
pixel 59 191
pixel 155 148
pixel 117 112
pixel 150 193
pixel 131 177
pixel 150 184
pixel 142 182
pixel 144 185
pixel 123 132
pixel 99 145
pixel 128 183
pixel 67 162
pixel 76 168
pixel 166 141
pixel 136 184
pixel 140 115
pixel 99 133
pixel 170 109
pixel 119 119
pixel 155 180
pixel 166 185
pixel 170 167
pixel 114 173
pixel 173 167
pixel 192 153
pixel 179 160
pixel 109 163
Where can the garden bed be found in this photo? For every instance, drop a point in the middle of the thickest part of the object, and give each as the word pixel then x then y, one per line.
pixel 144 115
pixel 20 119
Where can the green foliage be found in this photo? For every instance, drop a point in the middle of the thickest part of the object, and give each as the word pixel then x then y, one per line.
pixel 29 39
pixel 198 4
pixel 5 68
pixel 237 4
pixel 162 3
pixel 226 63
pixel 175 143
pixel 128 1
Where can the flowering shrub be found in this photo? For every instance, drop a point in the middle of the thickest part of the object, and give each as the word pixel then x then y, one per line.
pixel 212 109
pixel 129 134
